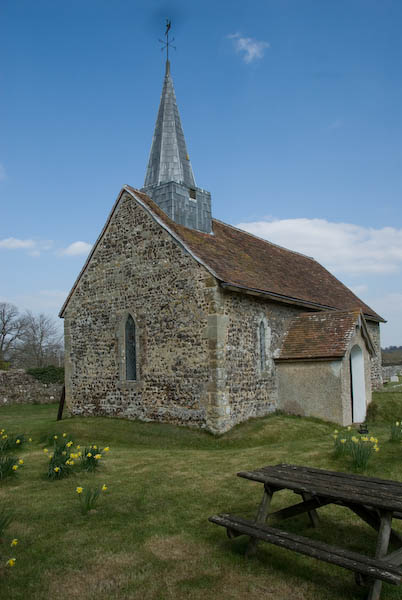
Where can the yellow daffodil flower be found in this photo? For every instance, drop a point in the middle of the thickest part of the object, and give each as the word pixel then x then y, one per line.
pixel 56 469
pixel 18 441
pixel 11 562
pixel 98 456
pixel 104 487
pixel 69 444
pixel 79 490
pixel 95 447
pixel 45 450
pixel 15 467
pixel 354 439
pixel 64 435
pixel 20 462
pixel 89 454
pixel 78 447
pixel 106 449
pixel 349 428
pixel 30 440
pixel 343 441
pixel 55 437
pixel 14 542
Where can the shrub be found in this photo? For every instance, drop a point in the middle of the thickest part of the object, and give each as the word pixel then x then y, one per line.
pixel 50 374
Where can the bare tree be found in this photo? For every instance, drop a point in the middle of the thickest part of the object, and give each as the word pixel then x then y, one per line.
pixel 41 341
pixel 11 328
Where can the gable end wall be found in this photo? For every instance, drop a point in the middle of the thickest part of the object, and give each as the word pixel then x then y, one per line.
pixel 138 268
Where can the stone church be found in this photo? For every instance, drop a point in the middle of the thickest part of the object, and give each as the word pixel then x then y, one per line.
pixel 180 318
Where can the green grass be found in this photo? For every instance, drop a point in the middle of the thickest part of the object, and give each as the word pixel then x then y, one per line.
pixel 149 537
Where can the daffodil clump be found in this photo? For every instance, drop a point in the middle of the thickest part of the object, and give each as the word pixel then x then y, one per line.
pixel 342 441
pixel 62 460
pixel 396 432
pixel 11 441
pixel 67 457
pixel 91 456
pixel 359 447
pixel 362 448
pixel 88 497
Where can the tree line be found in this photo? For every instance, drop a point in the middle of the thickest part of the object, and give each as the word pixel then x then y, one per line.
pixel 392 355
pixel 28 340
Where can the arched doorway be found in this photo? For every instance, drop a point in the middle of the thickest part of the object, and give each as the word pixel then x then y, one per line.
pixel 358 385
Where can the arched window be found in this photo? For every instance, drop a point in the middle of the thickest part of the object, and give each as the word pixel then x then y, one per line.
pixel 262 346
pixel 131 367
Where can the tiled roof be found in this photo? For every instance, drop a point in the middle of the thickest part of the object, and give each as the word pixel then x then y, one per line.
pixel 243 260
pixel 321 335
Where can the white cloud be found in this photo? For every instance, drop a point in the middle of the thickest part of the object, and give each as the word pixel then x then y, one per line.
pixel 77 248
pixel 340 247
pixel 15 244
pixel 3 174
pixel 252 49
pixel 33 247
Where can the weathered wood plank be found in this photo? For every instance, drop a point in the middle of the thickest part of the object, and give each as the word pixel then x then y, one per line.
pixel 261 517
pixel 312 514
pixel 372 518
pixel 375 568
pixel 297 509
pixel 381 550
pixel 328 489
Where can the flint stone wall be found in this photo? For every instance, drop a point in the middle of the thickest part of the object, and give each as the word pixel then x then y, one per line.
pixel 17 387
pixel 139 269
pixel 376 368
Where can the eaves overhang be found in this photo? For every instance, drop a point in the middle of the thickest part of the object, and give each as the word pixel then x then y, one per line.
pixel 234 287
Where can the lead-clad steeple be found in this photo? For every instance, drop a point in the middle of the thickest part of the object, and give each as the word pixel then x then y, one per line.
pixel 169 179
pixel 169 160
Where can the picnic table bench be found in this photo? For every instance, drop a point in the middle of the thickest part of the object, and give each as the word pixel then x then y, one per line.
pixel 375 501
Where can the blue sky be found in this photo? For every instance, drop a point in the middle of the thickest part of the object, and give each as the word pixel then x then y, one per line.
pixel 291 109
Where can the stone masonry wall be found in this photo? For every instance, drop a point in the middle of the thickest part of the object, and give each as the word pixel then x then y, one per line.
pixel 253 391
pixel 139 269
pixel 17 387
pixel 376 369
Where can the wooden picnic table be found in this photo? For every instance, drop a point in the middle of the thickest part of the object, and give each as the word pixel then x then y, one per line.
pixel 375 501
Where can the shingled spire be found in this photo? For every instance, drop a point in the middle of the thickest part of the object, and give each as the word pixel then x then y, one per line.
pixel 169 179
pixel 169 160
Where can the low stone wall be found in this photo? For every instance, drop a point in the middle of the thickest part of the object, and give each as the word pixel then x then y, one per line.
pixel 388 372
pixel 17 387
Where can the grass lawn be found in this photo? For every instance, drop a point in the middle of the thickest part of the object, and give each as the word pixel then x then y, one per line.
pixel 149 537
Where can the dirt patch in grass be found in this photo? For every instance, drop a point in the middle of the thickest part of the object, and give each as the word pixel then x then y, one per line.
pixel 106 576
pixel 173 547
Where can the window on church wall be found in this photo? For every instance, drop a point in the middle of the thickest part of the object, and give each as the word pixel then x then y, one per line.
pixel 130 347
pixel 262 346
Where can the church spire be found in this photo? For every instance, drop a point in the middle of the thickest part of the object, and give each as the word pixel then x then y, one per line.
pixel 169 179
pixel 169 160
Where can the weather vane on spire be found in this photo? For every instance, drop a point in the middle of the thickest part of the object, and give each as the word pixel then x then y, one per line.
pixel 167 43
